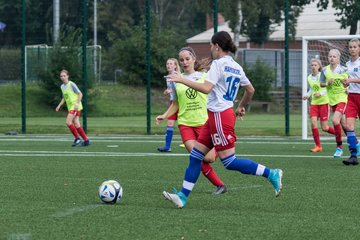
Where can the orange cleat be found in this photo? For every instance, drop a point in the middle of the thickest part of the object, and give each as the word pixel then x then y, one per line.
pixel 316 149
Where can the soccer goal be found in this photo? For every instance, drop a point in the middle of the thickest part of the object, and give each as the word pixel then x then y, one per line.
pixel 319 47
pixel 36 59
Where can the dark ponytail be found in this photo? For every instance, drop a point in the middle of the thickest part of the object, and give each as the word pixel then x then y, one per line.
pixel 223 39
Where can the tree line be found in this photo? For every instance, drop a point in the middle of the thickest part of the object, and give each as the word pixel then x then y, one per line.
pixel 116 18
pixel 121 26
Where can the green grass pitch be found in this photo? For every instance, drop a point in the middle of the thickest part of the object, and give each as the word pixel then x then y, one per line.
pixel 49 190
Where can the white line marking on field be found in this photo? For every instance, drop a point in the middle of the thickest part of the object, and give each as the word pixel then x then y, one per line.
pixel 62 136
pixel 72 211
pixel 153 138
pixel 160 141
pixel 112 146
pixel 19 236
pixel 132 154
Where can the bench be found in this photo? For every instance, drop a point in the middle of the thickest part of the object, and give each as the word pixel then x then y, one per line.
pixel 264 104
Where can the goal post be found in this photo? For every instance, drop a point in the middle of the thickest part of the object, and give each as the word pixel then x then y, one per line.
pixel 319 47
pixel 36 59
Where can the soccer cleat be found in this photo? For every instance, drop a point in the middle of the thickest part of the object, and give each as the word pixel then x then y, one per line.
pixel 316 149
pixel 77 141
pixel 164 149
pixel 182 145
pixel 275 177
pixel 85 143
pixel 220 190
pixel 351 161
pixel 178 198
pixel 338 153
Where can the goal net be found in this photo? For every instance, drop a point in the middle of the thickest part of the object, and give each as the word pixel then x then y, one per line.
pixel 319 47
pixel 37 56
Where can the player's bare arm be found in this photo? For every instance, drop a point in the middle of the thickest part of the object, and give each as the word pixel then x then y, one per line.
pixel 60 104
pixel 172 109
pixel 350 80
pixel 205 87
pixel 248 94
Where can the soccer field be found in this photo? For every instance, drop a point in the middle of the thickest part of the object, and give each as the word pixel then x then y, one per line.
pixel 49 190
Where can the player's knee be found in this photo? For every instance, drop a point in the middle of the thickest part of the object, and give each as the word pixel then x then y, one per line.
pixel 196 155
pixel 226 166
pixel 210 157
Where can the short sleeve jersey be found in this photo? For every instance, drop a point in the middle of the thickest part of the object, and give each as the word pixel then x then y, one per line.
pixel 354 72
pixel 227 76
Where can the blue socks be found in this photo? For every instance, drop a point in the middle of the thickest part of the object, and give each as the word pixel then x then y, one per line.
pixel 192 172
pixel 351 139
pixel 245 166
pixel 168 137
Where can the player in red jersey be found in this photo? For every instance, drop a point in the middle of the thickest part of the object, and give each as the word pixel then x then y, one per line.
pixel 192 113
pixel 222 83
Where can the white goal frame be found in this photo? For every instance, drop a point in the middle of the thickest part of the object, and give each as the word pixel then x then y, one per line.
pixel 96 54
pixel 305 73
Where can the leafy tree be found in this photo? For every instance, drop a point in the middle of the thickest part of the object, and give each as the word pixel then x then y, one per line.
pixel 256 19
pixel 129 54
pixel 39 20
pixel 172 22
pixel 65 54
pixel 113 25
pixel 261 76
pixel 228 8
pixel 348 12
pixel 260 17
pixel 116 18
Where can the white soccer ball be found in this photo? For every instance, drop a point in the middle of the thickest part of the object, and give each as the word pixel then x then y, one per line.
pixel 110 191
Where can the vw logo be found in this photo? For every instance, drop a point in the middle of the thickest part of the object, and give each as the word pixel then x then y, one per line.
pixel 191 93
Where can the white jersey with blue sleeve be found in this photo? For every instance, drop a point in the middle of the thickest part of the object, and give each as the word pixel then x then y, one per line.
pixel 354 72
pixel 172 87
pixel 227 76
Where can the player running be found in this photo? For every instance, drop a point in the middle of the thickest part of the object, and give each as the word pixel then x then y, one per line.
pixel 192 113
pixel 222 84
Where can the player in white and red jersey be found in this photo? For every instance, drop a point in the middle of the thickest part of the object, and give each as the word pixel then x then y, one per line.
pixel 353 106
pixel 224 79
